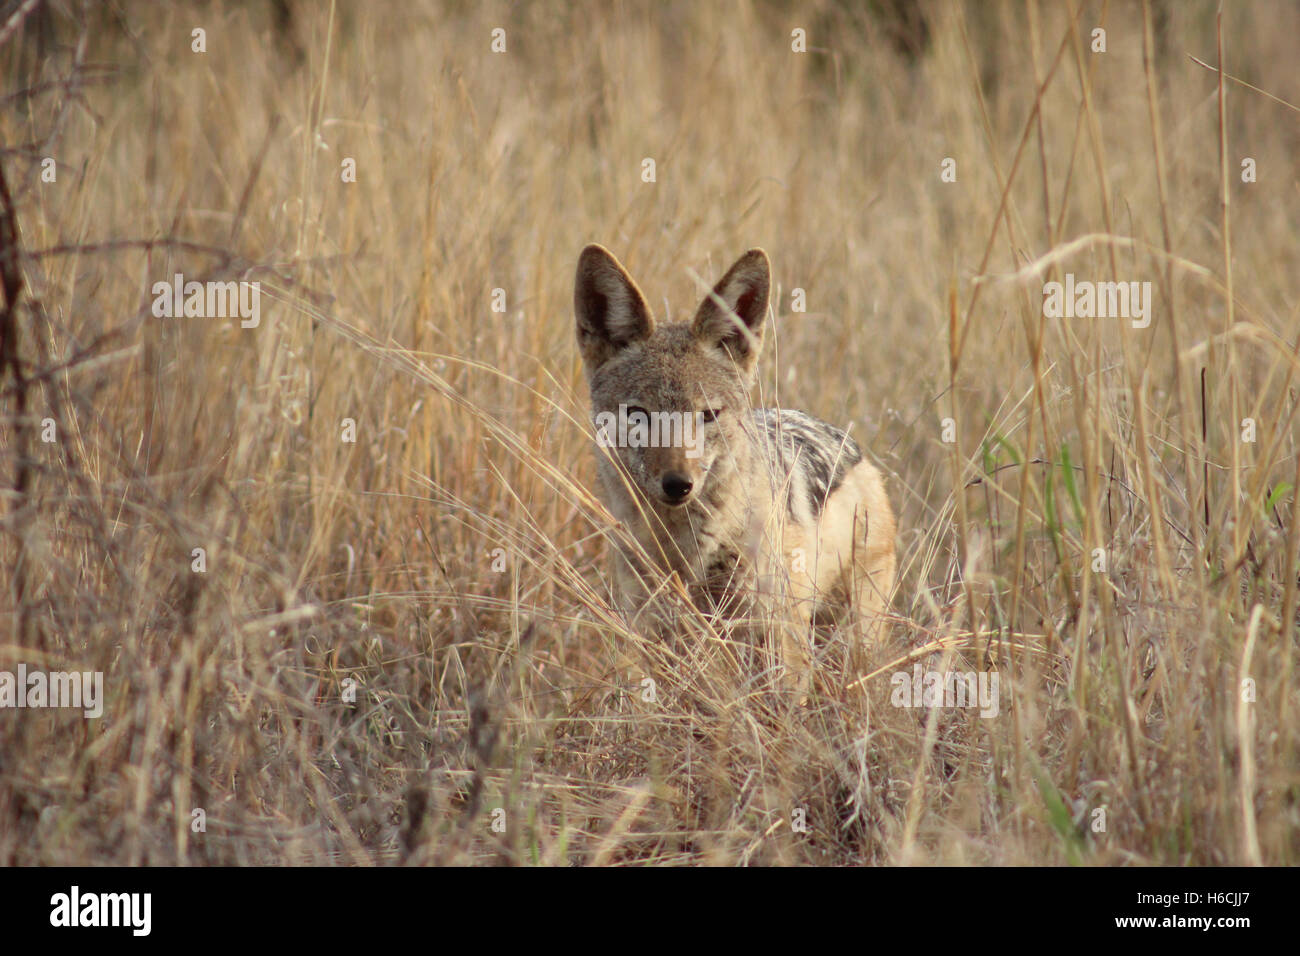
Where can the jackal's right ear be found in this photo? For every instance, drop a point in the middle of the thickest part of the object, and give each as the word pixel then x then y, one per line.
pixel 610 310
pixel 731 317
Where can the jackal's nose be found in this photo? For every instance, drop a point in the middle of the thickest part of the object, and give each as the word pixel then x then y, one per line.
pixel 676 487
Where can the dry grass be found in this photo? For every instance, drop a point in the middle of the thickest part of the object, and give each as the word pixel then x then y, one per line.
pixel 478 689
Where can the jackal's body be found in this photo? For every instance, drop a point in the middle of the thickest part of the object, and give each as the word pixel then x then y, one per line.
pixel 772 503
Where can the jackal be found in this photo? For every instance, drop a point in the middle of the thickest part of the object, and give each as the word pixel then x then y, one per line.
pixel 750 507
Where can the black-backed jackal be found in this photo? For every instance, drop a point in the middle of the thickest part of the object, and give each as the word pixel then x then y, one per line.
pixel 749 507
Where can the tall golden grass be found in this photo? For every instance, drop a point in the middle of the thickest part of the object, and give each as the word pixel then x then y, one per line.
pixel 1160 691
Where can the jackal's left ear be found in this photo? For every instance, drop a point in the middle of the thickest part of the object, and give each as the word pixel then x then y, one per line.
pixel 732 316
pixel 610 310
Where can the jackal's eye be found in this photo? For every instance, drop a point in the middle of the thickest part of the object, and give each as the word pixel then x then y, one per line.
pixel 711 414
pixel 637 410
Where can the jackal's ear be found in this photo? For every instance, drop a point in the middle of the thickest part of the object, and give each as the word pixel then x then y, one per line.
pixel 610 310
pixel 731 317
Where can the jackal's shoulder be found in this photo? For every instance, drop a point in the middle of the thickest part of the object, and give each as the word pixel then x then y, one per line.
pixel 816 454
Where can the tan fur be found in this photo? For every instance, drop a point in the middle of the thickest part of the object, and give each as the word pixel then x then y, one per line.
pixel 735 534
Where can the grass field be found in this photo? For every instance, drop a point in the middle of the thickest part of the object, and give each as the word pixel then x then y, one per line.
pixel 344 572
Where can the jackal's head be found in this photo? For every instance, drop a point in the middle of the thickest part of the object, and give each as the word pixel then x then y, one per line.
pixel 669 400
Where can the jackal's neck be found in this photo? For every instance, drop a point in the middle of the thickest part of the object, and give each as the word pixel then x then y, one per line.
pixel 716 524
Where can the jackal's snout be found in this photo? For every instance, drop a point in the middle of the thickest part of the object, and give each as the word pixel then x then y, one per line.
pixel 676 487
